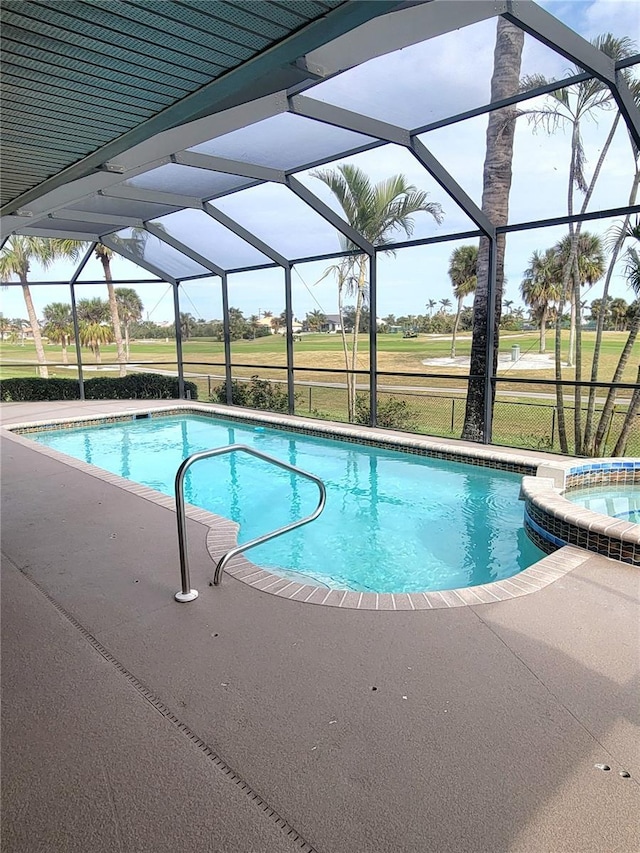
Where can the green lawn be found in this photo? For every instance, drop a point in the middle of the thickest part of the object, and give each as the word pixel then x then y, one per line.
pixel 437 401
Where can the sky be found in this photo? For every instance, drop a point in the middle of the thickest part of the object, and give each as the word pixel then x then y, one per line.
pixel 411 87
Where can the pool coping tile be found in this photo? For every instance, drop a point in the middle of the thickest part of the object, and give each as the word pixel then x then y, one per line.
pixel 222 532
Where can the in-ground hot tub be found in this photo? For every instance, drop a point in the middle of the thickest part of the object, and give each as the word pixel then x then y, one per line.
pixel 552 520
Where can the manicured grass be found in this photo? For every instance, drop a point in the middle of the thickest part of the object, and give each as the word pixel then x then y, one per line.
pixel 437 400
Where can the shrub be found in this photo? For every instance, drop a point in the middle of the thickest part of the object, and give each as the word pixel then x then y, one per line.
pixel 391 413
pixel 137 386
pixel 256 394
pixel 34 389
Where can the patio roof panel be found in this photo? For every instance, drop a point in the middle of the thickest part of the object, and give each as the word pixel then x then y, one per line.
pixel 283 141
pixel 297 231
pixel 153 253
pixel 110 205
pixel 187 180
pixel 211 239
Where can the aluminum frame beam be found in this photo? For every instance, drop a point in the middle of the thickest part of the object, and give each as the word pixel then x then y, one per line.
pixel 288 307
pixel 373 340
pixel 562 39
pixel 81 236
pixel 74 315
pixel 184 249
pixel 398 29
pixel 99 218
pixel 226 335
pixel 329 215
pixel 153 196
pixel 348 120
pixel 451 187
pixel 145 265
pixel 245 234
pixel 627 106
pixel 176 314
pixel 238 86
pixel 338 117
pixel 229 167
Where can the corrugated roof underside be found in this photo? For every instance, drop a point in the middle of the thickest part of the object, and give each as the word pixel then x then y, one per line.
pixel 77 75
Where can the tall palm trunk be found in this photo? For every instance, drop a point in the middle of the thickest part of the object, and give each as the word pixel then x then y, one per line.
pixel 35 328
pixel 565 294
pixel 607 410
pixel 505 82
pixel 588 443
pixel 65 355
pixel 115 317
pixel 543 328
pixel 632 414
pixel 577 397
pixel 575 234
pixel 455 327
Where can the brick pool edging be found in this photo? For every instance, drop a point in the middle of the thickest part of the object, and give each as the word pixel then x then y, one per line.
pixel 552 521
pixel 222 533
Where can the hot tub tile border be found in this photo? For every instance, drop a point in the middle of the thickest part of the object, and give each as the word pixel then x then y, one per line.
pixel 552 521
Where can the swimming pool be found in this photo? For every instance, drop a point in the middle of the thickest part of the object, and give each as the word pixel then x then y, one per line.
pixel 394 521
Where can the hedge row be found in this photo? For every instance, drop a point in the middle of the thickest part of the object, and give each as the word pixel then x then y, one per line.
pixel 137 386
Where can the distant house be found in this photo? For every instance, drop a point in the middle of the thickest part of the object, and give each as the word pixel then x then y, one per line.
pixel 266 322
pixel 331 324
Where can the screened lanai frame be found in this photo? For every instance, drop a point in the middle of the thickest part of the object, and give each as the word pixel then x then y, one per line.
pixel 127 181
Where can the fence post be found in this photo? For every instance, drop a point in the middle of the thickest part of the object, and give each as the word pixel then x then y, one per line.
pixel 209 384
pixel 453 412
pixel 553 426
pixel 309 398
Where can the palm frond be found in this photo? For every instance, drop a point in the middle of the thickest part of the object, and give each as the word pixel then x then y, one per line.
pixel 632 269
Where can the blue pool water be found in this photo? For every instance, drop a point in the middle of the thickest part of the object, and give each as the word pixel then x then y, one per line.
pixel 394 522
pixel 617 501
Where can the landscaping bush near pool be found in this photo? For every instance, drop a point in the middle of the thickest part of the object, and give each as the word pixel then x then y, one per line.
pixel 138 386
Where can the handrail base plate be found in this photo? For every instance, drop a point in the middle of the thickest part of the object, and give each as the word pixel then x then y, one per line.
pixel 186 596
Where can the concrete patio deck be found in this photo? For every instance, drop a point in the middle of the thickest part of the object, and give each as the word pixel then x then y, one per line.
pixel 245 722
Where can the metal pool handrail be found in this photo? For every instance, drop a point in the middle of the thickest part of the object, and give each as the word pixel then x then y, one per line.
pixel 188 594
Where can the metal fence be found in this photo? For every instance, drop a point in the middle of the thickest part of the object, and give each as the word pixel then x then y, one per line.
pixel 525 413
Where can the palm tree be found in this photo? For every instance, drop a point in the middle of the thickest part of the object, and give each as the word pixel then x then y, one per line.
pixel 254 325
pixel 58 325
pixel 618 308
pixel 632 273
pixel 376 212
pixel 187 325
pixel 93 335
pixel 104 255
pixel 130 309
pixel 463 268
pixel 16 258
pixel 444 305
pixel 315 320
pixel 588 267
pixel 584 252
pixel 431 304
pixel 94 328
pixel 505 82
pixel 618 237
pixel 5 326
pixel 541 287
pixel 93 310
pixel 275 324
pixel 568 108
